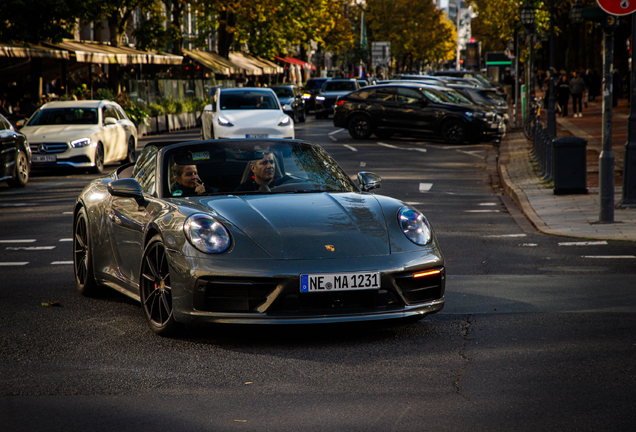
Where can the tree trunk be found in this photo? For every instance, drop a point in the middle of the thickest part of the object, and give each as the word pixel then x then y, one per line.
pixel 226 19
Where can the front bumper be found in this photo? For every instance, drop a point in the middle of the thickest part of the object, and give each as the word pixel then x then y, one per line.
pixel 52 155
pixel 269 292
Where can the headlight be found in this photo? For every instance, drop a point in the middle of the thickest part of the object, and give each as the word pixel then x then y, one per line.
pixel 207 234
pixel 285 121
pixel 287 107
pixel 479 115
pixel 224 122
pixel 414 226
pixel 83 142
pixel 320 98
pixel 306 96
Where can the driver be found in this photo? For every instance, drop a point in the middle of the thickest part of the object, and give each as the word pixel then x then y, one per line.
pixel 262 178
pixel 187 181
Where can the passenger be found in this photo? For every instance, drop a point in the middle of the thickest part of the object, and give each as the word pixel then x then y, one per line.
pixel 187 182
pixel 262 178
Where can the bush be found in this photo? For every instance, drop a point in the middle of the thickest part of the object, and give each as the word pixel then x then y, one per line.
pixel 156 109
pixel 104 93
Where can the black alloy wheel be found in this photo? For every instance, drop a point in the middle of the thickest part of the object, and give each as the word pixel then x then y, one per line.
pixel 82 257
pixel 155 289
pixel 21 174
pixel 360 127
pixel 130 152
pixel 454 131
pixel 98 168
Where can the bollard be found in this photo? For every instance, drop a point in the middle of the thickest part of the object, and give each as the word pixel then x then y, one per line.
pixel 570 165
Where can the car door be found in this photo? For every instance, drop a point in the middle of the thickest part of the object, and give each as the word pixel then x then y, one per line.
pixel 421 109
pixel 116 146
pixel 8 143
pixel 127 219
pixel 382 105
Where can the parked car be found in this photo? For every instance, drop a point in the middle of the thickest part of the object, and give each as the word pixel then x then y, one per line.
pixel 457 95
pixel 15 155
pixel 245 112
pixel 310 90
pixel 487 97
pixel 414 109
pixel 293 104
pixel 313 248
pixel 81 134
pixel 330 91
pixel 464 74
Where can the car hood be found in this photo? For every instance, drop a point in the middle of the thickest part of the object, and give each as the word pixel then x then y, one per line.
pixel 253 118
pixel 310 225
pixel 60 133
pixel 336 93
pixel 286 101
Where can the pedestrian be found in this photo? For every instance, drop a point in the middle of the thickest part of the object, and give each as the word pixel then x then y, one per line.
pixel 617 82
pixel 577 89
pixel 563 94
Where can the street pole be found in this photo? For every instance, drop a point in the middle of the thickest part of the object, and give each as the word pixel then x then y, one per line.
pixel 457 58
pixel 606 158
pixel 629 161
pixel 552 127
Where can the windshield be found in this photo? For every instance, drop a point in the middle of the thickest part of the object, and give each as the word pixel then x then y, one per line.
pixel 64 116
pixel 284 92
pixel 248 100
pixel 457 97
pixel 436 96
pixel 339 86
pixel 233 168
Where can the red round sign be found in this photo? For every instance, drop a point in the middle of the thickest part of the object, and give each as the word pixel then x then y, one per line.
pixel 617 7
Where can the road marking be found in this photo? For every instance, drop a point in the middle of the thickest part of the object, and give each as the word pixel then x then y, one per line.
pixel 508 235
pixel 414 203
pixel 388 145
pixel 67 213
pixel 487 204
pixel 610 256
pixel 590 243
pixel 9 264
pixel 481 211
pixel 333 138
pixel 30 248
pixel 529 245
pixel 66 239
pixel 363 164
pixel 423 150
pixel 18 241
pixel 62 263
pixel 15 205
pixel 336 131
pixel 425 187
pixel 352 148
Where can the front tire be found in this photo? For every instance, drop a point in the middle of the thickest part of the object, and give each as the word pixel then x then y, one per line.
pixel 22 169
pixel 360 127
pixel 130 152
pixel 454 131
pixel 155 290
pixel 98 167
pixel 83 257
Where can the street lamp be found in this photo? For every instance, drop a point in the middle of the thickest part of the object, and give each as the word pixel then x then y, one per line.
pixel 527 16
pixel 576 13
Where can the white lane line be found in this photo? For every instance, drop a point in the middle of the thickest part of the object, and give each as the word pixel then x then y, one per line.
pixel 610 256
pixel 507 235
pixel 472 154
pixel 388 145
pixel 350 147
pixel 15 205
pixel 423 150
pixel 487 204
pixel 336 131
pixel 62 263
pixel 481 211
pixel 414 203
pixel 18 241
pixel 589 243
pixel 9 264
pixel 67 213
pixel 529 245
pixel 363 164
pixel 425 187
pixel 333 138
pixel 30 248
pixel 66 239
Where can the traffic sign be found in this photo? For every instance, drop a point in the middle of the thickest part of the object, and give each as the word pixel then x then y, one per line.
pixel 617 7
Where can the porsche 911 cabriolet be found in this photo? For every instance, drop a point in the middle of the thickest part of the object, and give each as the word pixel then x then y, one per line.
pixel 253 231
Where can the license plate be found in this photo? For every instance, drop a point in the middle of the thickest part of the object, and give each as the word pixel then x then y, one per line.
pixel 339 281
pixel 43 158
pixel 256 136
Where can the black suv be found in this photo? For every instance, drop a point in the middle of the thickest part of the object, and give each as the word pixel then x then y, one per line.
pixel 414 109
pixel 330 92
pixel 15 155
pixel 310 90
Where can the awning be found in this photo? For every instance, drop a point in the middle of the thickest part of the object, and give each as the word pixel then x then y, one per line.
pixel 292 60
pixel 277 68
pixel 214 62
pixel 104 53
pixel 20 51
pixel 268 68
pixel 250 68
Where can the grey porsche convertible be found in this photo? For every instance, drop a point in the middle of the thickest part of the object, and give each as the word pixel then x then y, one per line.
pixel 253 231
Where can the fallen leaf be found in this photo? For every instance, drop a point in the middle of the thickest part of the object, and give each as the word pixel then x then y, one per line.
pixel 49 303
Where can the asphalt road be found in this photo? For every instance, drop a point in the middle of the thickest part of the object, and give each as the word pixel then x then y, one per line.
pixel 538 332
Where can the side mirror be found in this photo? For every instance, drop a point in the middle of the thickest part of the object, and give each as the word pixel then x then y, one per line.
pixel 127 188
pixel 110 121
pixel 20 123
pixel 368 181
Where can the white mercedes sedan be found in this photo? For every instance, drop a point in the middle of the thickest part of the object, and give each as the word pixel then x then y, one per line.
pixel 80 134
pixel 245 112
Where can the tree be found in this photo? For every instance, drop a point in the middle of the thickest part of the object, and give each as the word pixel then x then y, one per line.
pixel 417 30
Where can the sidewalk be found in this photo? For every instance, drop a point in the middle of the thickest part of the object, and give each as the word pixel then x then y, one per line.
pixel 569 215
